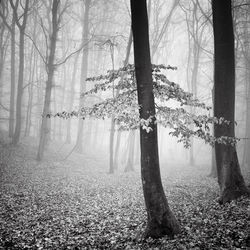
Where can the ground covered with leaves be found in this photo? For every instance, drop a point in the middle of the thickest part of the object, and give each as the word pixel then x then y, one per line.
pixel 75 204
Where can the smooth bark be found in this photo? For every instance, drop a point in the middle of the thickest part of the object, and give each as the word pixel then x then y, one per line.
pixel 161 220
pixel 230 179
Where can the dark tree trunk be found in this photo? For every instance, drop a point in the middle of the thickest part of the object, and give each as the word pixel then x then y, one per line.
pixel 50 72
pixel 230 179
pixel 161 220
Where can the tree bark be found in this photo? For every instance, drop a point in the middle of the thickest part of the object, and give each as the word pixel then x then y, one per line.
pixel 230 179
pixel 50 72
pixel 161 220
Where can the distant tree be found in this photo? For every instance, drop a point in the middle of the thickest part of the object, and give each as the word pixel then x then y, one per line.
pixel 20 21
pixel 84 70
pixel 4 38
pixel 50 68
pixel 72 96
pixel 118 139
pixel 161 220
pixel 230 179
pixel 131 148
pixel 158 34
pixel 32 59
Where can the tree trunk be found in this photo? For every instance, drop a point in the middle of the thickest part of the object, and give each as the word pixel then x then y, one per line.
pixel 246 44
pixel 161 220
pixel 111 147
pixel 12 78
pixel 33 65
pixel 21 27
pixel 230 179
pixel 84 71
pixel 213 172
pixel 246 157
pixel 50 71
pixel 71 98
pixel 118 140
pixel 17 133
pixel 131 150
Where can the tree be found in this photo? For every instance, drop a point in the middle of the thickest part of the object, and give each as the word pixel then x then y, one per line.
pixel 50 68
pixel 230 179
pixel 21 27
pixel 72 96
pixel 161 220
pixel 84 70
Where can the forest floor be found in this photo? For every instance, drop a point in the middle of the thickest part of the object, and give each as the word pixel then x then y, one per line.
pixel 75 204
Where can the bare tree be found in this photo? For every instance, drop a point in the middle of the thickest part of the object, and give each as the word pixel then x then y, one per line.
pixel 21 26
pixel 50 68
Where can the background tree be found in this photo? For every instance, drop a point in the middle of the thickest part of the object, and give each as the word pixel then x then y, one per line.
pixel 20 21
pixel 50 68
pixel 84 69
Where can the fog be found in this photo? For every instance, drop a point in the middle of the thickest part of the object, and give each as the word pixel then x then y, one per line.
pixel 49 48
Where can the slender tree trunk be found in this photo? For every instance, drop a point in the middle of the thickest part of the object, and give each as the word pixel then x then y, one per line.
pixel 33 65
pixel 62 99
pixel 17 133
pixel 118 138
pixel 50 71
pixel 111 147
pixel 164 28
pixel 196 59
pixel 12 79
pixel 71 98
pixel 230 179
pixel 21 27
pixel 131 150
pixel 84 71
pixel 213 172
pixel 161 220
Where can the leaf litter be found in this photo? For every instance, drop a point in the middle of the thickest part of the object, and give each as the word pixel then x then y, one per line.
pixel 75 204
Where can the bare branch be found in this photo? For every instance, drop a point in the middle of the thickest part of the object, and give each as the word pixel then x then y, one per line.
pixel 73 53
pixel 3 107
pixel 39 52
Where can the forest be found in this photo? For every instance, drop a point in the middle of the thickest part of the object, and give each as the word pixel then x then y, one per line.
pixel 124 124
